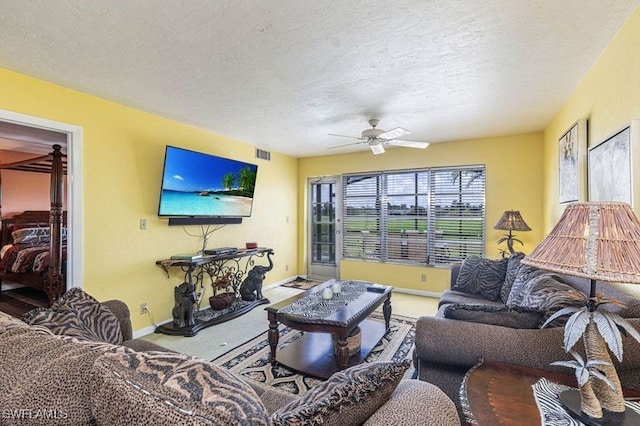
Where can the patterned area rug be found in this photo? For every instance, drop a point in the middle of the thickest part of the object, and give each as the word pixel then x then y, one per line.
pixel 302 283
pixel 251 359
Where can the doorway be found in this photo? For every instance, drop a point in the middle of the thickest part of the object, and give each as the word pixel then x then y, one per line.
pixel 37 134
pixel 324 228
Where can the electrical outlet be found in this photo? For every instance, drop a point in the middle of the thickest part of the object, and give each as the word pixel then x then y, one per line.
pixel 143 224
pixel 143 308
pixel 286 267
pixel 423 278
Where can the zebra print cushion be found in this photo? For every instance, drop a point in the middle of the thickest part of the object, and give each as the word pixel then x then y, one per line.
pixel 79 315
pixel 482 277
pixel 547 293
pixel 513 264
pixel 495 315
pixel 348 397
pixel 520 284
pixel 160 388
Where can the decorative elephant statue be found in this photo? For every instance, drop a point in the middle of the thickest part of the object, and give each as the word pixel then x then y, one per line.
pixel 251 287
pixel 185 298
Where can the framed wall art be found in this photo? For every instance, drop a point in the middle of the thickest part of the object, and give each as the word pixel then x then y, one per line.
pixel 572 152
pixel 610 168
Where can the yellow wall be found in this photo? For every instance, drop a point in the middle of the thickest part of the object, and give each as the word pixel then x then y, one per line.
pixel 123 151
pixel 608 96
pixel 513 181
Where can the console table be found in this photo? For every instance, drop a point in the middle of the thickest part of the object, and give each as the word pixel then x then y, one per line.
pixel 234 267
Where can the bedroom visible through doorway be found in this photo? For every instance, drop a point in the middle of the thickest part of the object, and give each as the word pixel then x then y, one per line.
pixel 24 137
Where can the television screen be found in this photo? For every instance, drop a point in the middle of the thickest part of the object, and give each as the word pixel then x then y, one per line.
pixel 198 184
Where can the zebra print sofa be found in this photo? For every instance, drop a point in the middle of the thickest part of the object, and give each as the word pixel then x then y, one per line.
pixel 447 348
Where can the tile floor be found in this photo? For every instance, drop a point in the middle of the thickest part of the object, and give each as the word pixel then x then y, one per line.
pixel 220 338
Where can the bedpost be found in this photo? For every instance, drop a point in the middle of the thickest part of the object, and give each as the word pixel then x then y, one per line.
pixel 55 285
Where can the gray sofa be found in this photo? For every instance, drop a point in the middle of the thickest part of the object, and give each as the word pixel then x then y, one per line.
pixel 79 363
pixel 447 348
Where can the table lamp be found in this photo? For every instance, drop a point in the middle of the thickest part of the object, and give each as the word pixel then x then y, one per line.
pixel 511 220
pixel 598 241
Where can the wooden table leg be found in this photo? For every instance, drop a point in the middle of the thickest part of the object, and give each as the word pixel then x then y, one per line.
pixel 343 350
pixel 274 336
pixel 386 310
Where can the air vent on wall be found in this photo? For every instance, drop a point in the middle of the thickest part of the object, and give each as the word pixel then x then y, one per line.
pixel 262 154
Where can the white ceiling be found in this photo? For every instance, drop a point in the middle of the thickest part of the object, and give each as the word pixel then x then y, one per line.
pixel 282 74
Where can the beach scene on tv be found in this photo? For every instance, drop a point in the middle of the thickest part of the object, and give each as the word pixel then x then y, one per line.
pixel 197 184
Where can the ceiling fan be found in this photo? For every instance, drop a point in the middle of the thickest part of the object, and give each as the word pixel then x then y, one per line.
pixel 377 139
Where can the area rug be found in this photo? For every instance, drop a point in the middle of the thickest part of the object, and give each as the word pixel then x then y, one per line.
pixel 251 359
pixel 302 283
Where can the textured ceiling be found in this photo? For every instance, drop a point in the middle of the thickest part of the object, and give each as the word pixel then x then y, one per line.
pixel 282 74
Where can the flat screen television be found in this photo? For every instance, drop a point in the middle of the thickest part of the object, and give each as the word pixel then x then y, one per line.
pixel 195 184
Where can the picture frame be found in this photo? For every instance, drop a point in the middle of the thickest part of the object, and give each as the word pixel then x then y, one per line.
pixel 611 167
pixel 572 152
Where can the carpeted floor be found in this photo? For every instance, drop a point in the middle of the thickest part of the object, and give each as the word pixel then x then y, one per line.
pixel 251 359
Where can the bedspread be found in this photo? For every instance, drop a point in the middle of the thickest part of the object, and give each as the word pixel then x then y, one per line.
pixel 20 258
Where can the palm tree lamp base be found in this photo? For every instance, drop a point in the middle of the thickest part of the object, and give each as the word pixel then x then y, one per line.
pixel 571 401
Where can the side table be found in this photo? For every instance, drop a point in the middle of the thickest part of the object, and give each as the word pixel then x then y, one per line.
pixel 498 393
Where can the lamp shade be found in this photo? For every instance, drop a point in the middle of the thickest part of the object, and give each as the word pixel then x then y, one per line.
pixel 595 240
pixel 512 220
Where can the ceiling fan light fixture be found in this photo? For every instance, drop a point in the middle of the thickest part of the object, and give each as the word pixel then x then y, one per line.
pixel 376 148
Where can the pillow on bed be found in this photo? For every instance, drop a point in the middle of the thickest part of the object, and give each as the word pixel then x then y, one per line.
pixel 34 235
pixel 30 235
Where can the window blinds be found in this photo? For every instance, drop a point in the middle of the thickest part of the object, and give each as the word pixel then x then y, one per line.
pixel 428 216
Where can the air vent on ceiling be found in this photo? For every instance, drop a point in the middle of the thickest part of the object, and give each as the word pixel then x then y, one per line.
pixel 262 154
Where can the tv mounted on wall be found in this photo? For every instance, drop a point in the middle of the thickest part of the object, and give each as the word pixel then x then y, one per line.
pixel 205 188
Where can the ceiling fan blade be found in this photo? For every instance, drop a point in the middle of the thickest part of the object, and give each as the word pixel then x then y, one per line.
pixel 347 144
pixel 408 144
pixel 376 148
pixel 343 136
pixel 394 133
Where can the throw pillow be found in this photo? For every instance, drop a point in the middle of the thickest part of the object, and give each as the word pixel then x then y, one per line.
pixel 513 264
pixel 348 397
pixel 521 284
pixel 482 277
pixel 79 315
pixel 495 315
pixel 30 236
pixel 159 388
pixel 547 293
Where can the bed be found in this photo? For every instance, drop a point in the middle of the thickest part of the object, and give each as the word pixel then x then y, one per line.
pixel 33 243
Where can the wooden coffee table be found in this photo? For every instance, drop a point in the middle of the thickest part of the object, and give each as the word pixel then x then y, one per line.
pixel 313 353
pixel 499 393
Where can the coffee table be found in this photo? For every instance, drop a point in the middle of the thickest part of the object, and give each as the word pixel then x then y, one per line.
pixel 313 353
pixel 498 393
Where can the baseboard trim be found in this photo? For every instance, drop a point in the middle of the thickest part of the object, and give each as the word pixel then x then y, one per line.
pixel 417 292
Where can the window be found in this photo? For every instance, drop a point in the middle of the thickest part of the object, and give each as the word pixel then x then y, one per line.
pixel 429 216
